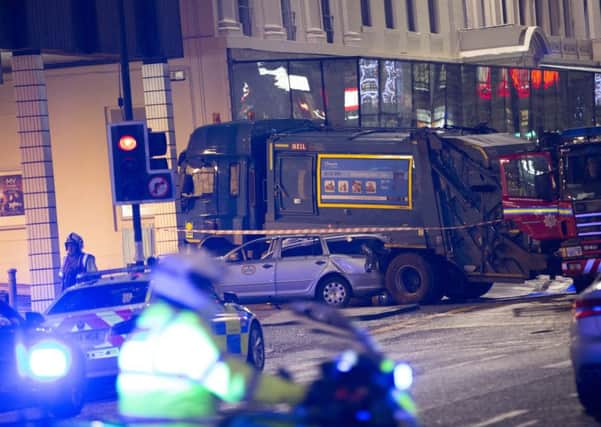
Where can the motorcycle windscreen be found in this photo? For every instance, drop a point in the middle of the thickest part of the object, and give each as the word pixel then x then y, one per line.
pixel 530 198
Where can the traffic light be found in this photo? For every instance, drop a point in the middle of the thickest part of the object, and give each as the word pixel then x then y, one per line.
pixel 133 180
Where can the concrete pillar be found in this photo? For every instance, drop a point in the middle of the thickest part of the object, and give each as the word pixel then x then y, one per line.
pixel 351 22
pixel 273 28
pixel 422 15
pixel 529 17
pixel 579 27
pixel 510 7
pixel 158 104
pixel 546 18
pixel 594 16
pixel 227 17
pixel 38 178
pixel 313 21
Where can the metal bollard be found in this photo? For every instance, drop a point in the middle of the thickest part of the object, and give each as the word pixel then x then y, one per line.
pixel 12 287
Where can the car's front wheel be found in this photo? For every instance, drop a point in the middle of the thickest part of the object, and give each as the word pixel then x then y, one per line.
pixel 334 291
pixel 69 399
pixel 256 347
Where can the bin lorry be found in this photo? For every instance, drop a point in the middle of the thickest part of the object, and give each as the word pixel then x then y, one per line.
pixel 436 196
pixel 553 194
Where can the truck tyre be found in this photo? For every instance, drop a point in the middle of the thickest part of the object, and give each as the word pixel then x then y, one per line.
pixel 409 279
pixel 477 289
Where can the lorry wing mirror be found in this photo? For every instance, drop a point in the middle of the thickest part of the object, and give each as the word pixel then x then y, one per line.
pixel 484 188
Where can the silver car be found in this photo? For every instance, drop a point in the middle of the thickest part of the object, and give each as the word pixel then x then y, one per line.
pixel 585 346
pixel 331 269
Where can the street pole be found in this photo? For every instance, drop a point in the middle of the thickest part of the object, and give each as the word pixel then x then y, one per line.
pixel 129 115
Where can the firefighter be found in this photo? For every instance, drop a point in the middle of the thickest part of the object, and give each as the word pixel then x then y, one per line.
pixel 76 261
pixel 172 367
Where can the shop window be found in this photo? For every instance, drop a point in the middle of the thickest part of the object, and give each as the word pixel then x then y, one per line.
pixel 395 93
pixel 421 94
pixel 369 91
pixel 261 90
pixel 306 90
pixel 342 94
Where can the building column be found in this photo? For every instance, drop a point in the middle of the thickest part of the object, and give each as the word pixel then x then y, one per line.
pixel 510 8
pixel 351 22
pixel 579 27
pixel 273 28
pixel 38 178
pixel 227 17
pixel 158 104
pixel 594 13
pixel 314 31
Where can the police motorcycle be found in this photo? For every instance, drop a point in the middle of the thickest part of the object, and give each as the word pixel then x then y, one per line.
pixel 360 386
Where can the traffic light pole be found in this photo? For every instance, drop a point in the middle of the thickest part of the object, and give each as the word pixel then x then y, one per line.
pixel 129 115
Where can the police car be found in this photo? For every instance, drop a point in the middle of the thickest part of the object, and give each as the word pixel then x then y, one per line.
pixel 39 369
pixel 99 313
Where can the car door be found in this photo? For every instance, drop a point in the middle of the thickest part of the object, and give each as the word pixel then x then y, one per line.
pixel 250 271
pixel 299 267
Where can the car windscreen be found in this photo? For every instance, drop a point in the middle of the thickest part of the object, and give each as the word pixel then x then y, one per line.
pixel 96 297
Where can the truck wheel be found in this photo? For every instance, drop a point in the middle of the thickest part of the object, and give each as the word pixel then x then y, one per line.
pixel 409 279
pixel 477 289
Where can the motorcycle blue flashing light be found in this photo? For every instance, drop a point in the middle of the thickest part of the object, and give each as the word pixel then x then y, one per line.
pixel 346 361
pixel 403 376
pixel 46 360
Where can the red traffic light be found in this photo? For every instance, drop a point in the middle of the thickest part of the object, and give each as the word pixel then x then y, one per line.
pixel 127 143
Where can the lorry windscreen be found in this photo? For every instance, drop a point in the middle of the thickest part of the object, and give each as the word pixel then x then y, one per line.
pixel 582 172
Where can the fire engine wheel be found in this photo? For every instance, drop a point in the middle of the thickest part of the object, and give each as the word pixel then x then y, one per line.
pixel 409 279
pixel 256 347
pixel 580 284
pixel 334 291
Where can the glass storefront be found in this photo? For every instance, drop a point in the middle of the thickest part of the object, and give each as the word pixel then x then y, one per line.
pixel 369 92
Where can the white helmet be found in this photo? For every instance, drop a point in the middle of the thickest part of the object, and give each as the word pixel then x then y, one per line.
pixel 187 279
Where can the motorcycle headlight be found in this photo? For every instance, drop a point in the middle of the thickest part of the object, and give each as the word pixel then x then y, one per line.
pixel 403 376
pixel 44 361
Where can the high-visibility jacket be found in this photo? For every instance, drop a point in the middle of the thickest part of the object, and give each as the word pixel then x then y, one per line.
pixel 172 367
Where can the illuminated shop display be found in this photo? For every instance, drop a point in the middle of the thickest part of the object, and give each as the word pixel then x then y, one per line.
pixel 368 92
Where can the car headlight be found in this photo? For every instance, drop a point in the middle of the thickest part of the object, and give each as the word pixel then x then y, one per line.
pixel 44 361
pixel 571 251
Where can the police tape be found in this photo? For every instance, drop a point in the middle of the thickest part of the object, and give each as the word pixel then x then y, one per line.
pixel 190 232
